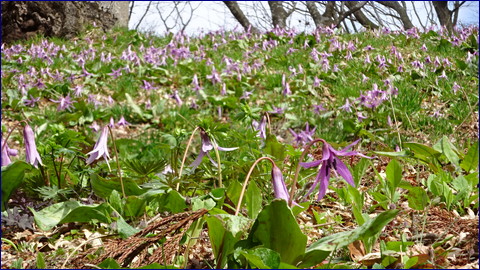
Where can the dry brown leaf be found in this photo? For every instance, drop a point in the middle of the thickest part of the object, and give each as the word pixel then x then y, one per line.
pixel 357 250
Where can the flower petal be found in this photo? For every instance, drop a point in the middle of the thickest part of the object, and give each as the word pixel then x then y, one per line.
pixel 324 179
pixel 311 164
pixel 342 169
pixel 198 160
pixel 227 149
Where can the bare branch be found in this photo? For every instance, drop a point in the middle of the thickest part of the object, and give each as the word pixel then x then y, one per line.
pixel 239 16
pixel 143 16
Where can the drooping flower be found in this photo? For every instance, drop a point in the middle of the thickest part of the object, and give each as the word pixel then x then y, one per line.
pixel 261 127
pixel 207 146
pixel 177 98
pixel 94 126
pixel 279 187
pixel 303 136
pixel 100 149
pixel 31 153
pixel 7 152
pixel 330 160
pixel 64 103
pixel 123 122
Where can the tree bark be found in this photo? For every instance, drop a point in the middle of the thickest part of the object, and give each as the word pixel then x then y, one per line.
pixel 239 16
pixel 279 15
pixel 444 15
pixel 402 12
pixel 360 16
pixel 25 19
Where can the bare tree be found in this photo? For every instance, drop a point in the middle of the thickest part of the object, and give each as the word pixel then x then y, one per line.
pixel 239 16
pixel 279 14
pixel 447 17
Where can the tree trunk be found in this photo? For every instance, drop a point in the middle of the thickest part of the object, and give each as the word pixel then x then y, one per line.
pixel 239 16
pixel 402 12
pixel 360 16
pixel 279 15
pixel 24 19
pixel 444 15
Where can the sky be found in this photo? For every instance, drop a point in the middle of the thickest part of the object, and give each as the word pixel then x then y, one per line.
pixel 214 15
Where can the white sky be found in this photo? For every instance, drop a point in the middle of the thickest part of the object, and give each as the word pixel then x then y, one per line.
pixel 214 15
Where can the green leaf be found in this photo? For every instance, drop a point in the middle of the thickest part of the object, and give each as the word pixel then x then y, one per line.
pixel 224 231
pixel 134 206
pixel 448 149
pixel 394 175
pixel 116 202
pixel 12 177
pixel 274 148
pixel 40 261
pixel 103 187
pixel 470 162
pixel 157 266
pixel 253 199
pixel 125 230
pixel 262 258
pixel 277 229
pixel 392 154
pixel 359 171
pixel 320 250
pixel 417 198
pixel 50 216
pixel 109 263
pixel 134 106
pixel 233 191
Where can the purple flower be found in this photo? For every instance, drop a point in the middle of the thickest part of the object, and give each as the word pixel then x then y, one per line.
pixel 196 86
pixel 329 161
pixel 261 127
pixel 64 103
pixel 318 108
pixel 100 149
pixel 456 87
pixel 207 146
pixel 7 152
pixel 31 152
pixel 94 126
pixel 214 77
pixel 277 110
pixel 360 116
pixel 31 102
pixel 177 98
pixel 279 187
pixel 347 106
pixel 77 90
pixel 123 122
pixel 303 136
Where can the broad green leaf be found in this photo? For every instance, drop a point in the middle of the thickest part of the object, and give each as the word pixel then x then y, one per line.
pixel 116 202
pixel 50 216
pixel 221 239
pixel 391 154
pixel 253 199
pixel 320 250
pixel 277 229
pixel 470 162
pixel 394 174
pixel 124 229
pixel 448 149
pixel 134 206
pixel 198 203
pixel 87 213
pixel 109 263
pixel 262 258
pixel 12 177
pixel 103 187
pixel 233 191
pixel 274 148
pixel 417 198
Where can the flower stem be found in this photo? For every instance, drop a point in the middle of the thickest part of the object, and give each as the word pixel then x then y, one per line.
pixel 219 165
pixel 297 170
pixel 246 182
pixel 118 162
pixel 185 156
pixel 396 123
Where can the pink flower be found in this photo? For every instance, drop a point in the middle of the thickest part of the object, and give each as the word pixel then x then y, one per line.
pixel 100 149
pixel 31 152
